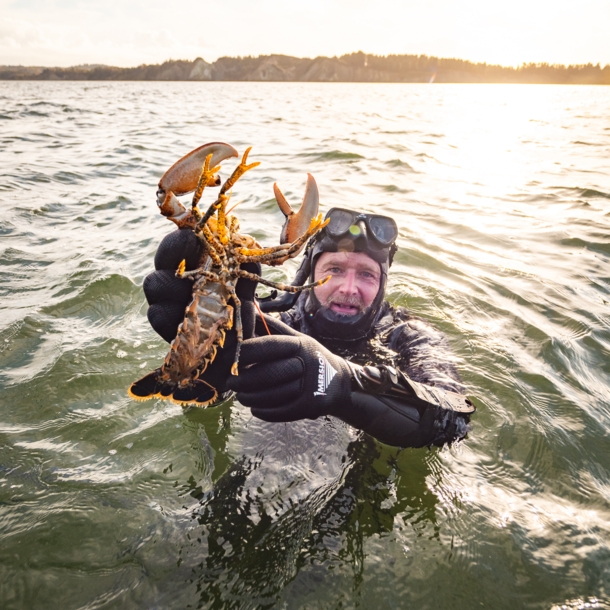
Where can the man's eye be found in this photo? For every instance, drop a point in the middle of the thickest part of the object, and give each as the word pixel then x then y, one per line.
pixel 335 270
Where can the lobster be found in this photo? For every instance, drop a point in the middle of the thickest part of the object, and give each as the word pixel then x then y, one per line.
pixel 209 314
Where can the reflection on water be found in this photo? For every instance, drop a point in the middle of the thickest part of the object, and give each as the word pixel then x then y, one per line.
pixel 259 538
pixel 501 194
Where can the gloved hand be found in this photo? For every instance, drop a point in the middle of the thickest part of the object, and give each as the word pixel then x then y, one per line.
pixel 168 297
pixel 285 378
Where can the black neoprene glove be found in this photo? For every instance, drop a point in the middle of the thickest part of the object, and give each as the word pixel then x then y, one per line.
pixel 285 378
pixel 168 297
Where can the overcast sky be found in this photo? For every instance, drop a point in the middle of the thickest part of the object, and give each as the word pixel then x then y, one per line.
pixel 123 33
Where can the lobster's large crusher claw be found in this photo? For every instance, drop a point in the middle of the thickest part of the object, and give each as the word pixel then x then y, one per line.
pixel 297 223
pixel 183 177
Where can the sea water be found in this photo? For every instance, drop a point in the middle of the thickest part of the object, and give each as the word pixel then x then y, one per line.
pixel 502 197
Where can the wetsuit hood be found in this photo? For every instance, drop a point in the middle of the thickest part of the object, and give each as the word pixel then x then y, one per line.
pixel 328 324
pixel 356 235
pixel 325 323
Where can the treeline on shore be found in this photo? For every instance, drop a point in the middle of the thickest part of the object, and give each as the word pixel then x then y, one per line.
pixel 355 67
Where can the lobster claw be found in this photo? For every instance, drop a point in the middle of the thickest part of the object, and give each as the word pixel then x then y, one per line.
pixel 183 176
pixel 297 223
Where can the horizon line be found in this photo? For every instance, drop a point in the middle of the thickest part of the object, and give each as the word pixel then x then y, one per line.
pixel 353 53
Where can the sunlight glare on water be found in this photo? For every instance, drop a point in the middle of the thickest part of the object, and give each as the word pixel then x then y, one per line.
pixel 502 198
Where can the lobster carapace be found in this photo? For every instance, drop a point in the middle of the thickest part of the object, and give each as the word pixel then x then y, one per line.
pixel 209 315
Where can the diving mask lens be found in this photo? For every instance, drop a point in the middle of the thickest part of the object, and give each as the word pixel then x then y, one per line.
pixel 340 222
pixel 383 228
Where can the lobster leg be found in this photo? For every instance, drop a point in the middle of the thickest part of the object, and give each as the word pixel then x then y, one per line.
pixel 278 285
pixel 233 224
pixel 272 258
pixel 286 249
pixel 212 245
pixel 238 328
pixel 208 275
pixel 223 234
pixel 251 252
pixel 296 245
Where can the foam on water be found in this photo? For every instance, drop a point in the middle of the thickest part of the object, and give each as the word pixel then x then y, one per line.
pixel 501 197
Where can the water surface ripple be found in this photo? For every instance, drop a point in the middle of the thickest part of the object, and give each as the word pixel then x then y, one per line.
pixel 502 196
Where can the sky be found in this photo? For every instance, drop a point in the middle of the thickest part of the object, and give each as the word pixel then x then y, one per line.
pixel 130 33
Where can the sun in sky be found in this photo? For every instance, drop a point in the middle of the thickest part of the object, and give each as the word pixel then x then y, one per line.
pixel 72 32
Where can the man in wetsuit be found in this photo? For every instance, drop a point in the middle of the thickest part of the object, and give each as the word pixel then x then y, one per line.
pixel 340 350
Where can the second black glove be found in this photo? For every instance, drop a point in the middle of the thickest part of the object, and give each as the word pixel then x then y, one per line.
pixel 286 378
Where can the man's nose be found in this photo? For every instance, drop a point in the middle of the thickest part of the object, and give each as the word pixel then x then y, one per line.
pixel 349 286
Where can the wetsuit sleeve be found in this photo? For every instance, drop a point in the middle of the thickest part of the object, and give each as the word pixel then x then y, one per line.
pixel 398 411
pixel 421 404
pixel 392 421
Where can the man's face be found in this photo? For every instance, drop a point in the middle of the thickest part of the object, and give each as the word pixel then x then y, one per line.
pixel 354 283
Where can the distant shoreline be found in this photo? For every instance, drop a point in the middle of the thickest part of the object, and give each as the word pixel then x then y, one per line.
pixel 354 68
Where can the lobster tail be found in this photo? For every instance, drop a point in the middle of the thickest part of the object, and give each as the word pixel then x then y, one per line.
pixel 197 392
pixel 147 387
